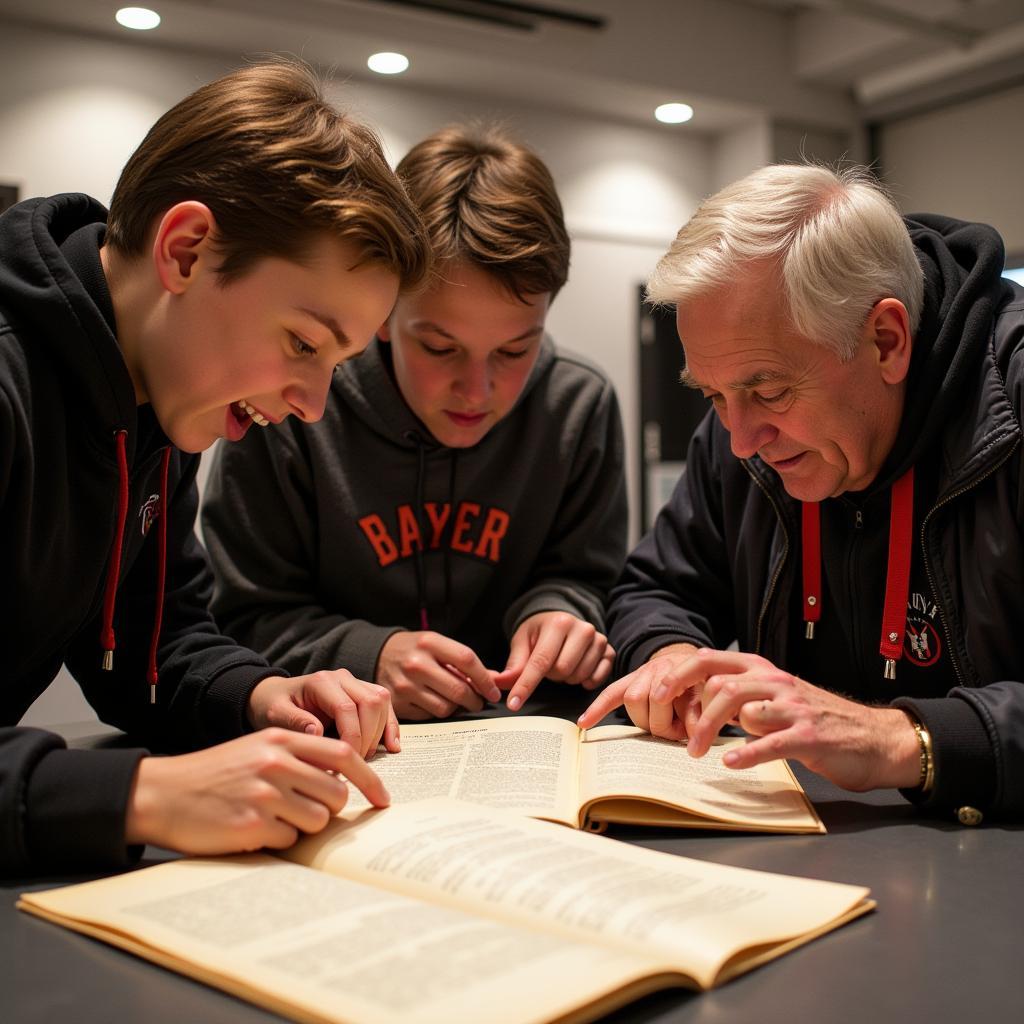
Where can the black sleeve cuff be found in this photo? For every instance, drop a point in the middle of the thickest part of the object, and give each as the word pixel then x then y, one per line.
pixel 76 803
pixel 225 706
pixel 965 765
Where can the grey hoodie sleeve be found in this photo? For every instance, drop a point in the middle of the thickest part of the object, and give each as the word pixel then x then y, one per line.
pixel 260 524
pixel 586 546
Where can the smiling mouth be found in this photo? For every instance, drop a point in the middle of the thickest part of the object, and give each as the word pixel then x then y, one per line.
pixel 785 463
pixel 242 406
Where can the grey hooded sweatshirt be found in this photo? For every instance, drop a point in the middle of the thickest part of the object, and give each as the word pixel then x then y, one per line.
pixel 328 538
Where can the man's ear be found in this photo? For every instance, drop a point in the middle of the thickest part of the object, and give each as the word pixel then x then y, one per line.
pixel 182 245
pixel 888 330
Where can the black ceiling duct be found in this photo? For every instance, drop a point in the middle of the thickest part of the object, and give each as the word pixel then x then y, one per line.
pixel 506 13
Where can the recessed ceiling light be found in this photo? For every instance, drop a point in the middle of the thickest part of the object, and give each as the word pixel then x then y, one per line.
pixel 141 18
pixel 674 113
pixel 388 63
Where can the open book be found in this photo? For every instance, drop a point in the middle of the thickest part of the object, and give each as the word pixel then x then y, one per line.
pixel 441 911
pixel 549 768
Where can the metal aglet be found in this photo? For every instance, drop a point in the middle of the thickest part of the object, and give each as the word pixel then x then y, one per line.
pixel 108 661
pixel 890 668
pixel 809 632
pixel 152 693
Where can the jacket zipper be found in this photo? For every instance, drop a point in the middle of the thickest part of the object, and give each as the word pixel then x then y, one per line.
pixel 927 563
pixel 782 560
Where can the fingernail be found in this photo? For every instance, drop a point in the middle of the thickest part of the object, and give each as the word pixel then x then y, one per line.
pixel 494 695
pixel 731 758
pixel 661 692
pixel 514 703
pixel 310 729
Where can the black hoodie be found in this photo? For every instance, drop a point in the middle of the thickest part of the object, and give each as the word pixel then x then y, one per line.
pixel 66 406
pixel 723 560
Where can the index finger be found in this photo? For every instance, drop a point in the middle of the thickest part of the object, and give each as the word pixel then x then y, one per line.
pixel 345 713
pixel 538 664
pixel 339 757
pixel 610 698
pixel 464 660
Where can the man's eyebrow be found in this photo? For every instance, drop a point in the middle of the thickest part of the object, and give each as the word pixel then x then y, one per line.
pixel 755 380
pixel 330 323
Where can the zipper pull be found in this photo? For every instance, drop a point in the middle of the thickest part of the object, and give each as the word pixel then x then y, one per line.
pixel 890 668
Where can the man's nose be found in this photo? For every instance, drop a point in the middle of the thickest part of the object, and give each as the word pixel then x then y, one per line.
pixel 748 426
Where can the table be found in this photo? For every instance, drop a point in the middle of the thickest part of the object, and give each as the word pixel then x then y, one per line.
pixel 945 945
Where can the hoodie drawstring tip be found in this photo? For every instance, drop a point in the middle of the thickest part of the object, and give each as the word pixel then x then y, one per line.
pixel 890 668
pixel 108 661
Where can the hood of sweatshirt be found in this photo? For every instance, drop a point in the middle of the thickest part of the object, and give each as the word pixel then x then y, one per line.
pixel 369 388
pixel 44 298
pixel 963 288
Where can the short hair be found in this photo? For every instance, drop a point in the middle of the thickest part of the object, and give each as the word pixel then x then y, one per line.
pixel 835 237
pixel 490 201
pixel 279 167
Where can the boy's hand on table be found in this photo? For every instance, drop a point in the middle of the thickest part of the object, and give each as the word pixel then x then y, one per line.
pixel 360 711
pixel 264 789
pixel 432 676
pixel 558 646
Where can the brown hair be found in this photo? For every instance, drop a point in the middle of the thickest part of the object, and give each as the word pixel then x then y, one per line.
pixel 490 201
pixel 278 167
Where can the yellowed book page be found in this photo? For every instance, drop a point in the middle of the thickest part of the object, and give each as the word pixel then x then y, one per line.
pixel 623 761
pixel 483 860
pixel 524 764
pixel 319 948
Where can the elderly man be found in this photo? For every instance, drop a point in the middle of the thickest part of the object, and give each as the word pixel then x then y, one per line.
pixel 852 511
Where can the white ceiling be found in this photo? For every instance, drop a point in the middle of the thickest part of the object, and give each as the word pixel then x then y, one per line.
pixel 830 63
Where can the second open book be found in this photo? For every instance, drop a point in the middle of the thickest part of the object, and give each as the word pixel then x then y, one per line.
pixel 548 768
pixel 438 911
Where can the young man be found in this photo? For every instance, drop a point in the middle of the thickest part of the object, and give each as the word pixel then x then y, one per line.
pixel 256 238
pixel 462 505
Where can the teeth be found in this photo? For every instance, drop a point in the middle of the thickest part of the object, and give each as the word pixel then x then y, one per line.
pixel 252 413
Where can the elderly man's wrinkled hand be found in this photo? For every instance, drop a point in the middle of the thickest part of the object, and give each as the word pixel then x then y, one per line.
pixel 666 671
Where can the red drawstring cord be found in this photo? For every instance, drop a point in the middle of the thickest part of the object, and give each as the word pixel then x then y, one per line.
pixel 897 578
pixel 811 536
pixel 897 574
pixel 161 574
pixel 107 641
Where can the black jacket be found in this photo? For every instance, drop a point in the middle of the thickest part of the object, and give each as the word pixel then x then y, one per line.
pixel 723 563
pixel 65 395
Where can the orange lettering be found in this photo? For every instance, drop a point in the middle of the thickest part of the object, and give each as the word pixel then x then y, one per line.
pixel 437 521
pixel 495 527
pixel 408 530
pixel 462 524
pixel 377 534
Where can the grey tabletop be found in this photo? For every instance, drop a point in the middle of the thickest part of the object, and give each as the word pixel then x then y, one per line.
pixel 946 943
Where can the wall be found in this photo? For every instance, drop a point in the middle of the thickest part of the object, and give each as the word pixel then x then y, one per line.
pixel 73 109
pixel 964 160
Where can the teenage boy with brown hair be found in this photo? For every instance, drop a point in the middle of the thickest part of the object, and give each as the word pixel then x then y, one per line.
pixel 256 239
pixel 462 504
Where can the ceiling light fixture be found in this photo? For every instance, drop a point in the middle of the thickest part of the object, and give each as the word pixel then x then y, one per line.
pixel 141 18
pixel 674 113
pixel 388 63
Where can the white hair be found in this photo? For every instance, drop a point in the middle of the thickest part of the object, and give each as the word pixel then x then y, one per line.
pixel 835 236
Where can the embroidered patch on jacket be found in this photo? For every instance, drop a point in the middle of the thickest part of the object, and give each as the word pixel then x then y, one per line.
pixel 149 512
pixel 922 645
